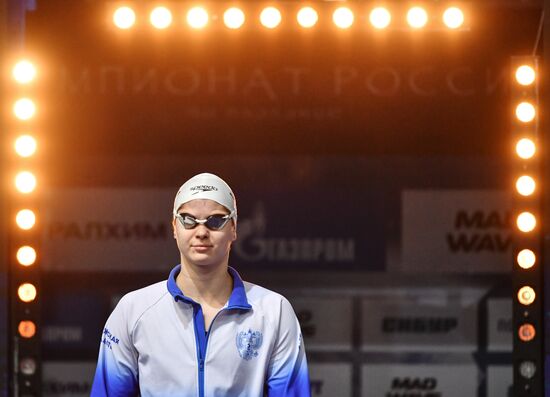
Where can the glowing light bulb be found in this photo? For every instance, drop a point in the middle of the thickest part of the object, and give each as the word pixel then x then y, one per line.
pixel 526 222
pixel 453 17
pixel 307 17
pixel 25 219
pixel 526 259
pixel 525 148
pixel 26 292
pixel 526 332
pixel 380 18
pixel 26 255
pixel 270 17
pixel 343 17
pixel 161 17
pixel 525 185
pixel 124 18
pixel 197 17
pixel 525 112
pixel 233 18
pixel 24 72
pixel 24 109
pixel 27 329
pixel 525 75
pixel 526 295
pixel 417 17
pixel 25 146
pixel 25 182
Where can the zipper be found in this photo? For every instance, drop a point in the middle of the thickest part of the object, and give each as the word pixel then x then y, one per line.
pixel 201 338
pixel 200 342
pixel 201 377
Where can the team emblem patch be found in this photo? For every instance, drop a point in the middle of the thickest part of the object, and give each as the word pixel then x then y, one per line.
pixel 248 343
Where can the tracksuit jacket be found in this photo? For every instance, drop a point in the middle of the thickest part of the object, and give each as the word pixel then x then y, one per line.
pixel 154 344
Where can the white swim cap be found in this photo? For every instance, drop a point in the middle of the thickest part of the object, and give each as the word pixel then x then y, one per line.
pixel 206 186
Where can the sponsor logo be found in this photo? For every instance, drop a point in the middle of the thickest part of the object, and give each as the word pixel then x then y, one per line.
pixel 481 240
pixel 253 246
pixel 58 388
pixel 62 334
pixel 419 325
pixel 105 231
pixel 248 343
pixel 203 188
pixel 413 387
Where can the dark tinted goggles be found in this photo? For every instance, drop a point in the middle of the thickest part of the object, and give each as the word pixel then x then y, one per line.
pixel 213 222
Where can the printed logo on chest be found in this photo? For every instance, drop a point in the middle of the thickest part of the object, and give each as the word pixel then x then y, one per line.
pixel 248 343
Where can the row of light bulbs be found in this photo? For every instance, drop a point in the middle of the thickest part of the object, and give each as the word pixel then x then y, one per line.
pixel 526 149
pixel 525 113
pixel 271 17
pixel 25 146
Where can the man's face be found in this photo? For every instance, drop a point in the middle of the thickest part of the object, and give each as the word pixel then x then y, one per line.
pixel 201 246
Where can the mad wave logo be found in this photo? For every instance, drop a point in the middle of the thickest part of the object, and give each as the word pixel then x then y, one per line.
pixel 417 387
pixel 248 343
pixel 203 188
pixel 480 231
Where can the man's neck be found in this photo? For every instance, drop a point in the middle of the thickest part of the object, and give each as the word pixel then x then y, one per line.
pixel 205 285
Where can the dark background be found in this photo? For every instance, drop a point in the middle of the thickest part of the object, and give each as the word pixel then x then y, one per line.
pixel 325 127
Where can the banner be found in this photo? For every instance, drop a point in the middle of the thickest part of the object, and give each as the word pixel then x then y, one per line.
pixel 326 323
pixel 500 381
pixel 67 379
pixel 461 231
pixel 424 321
pixel 114 230
pixel 499 325
pixel 109 230
pixel 264 91
pixel 400 380
pixel 330 380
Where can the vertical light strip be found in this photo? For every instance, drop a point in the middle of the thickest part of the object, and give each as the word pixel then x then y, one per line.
pixel 24 270
pixel 527 273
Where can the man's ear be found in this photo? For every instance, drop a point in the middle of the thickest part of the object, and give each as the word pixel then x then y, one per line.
pixel 234 230
pixel 174 227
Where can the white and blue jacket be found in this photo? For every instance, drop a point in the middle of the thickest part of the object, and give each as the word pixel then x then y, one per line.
pixel 154 344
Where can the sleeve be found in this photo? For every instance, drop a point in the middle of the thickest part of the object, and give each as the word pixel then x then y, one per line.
pixel 287 373
pixel 116 372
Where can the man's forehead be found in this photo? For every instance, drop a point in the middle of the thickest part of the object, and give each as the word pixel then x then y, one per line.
pixel 207 204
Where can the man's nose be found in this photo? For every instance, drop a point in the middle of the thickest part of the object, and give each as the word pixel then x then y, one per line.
pixel 202 232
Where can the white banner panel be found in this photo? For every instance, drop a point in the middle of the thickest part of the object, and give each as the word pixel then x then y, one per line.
pixel 109 230
pixel 500 381
pixel 67 379
pixel 443 380
pixel 499 325
pixel 130 230
pixel 330 380
pixel 325 322
pixel 462 231
pixel 403 324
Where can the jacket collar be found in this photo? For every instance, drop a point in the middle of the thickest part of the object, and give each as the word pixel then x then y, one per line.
pixel 237 299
